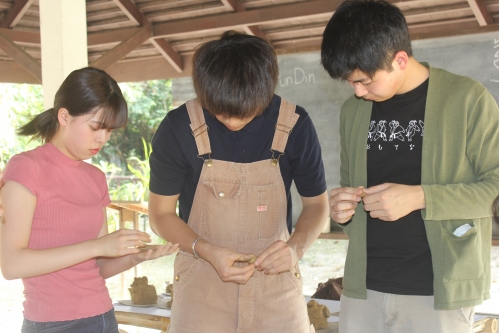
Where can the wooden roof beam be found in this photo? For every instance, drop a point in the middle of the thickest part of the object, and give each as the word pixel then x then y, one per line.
pixel 481 13
pixel 22 37
pixel 124 48
pixel 131 10
pixel 233 5
pixel 448 29
pixel 21 57
pixel 255 31
pixel 15 13
pixel 168 53
pixel 286 12
pixel 236 6
pixel 251 17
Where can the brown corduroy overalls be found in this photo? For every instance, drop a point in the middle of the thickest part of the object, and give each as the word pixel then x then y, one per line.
pixel 242 207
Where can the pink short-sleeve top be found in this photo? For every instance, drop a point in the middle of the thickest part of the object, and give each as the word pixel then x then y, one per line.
pixel 70 196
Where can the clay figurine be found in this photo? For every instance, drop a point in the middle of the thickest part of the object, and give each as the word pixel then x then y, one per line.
pixel 141 293
pixel 170 290
pixel 318 314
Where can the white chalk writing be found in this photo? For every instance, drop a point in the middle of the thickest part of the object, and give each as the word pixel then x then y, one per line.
pixel 299 76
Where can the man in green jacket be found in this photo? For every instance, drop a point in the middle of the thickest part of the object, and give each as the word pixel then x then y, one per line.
pixel 414 201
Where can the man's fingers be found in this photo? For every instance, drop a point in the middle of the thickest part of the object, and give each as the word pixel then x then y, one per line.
pixel 238 274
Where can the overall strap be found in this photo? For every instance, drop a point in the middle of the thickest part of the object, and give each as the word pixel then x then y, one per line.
pixel 286 120
pixel 199 128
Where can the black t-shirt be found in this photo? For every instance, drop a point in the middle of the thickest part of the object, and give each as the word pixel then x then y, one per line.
pixel 175 167
pixel 399 257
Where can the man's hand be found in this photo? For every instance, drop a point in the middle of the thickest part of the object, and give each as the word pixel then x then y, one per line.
pixel 343 202
pixel 390 202
pixel 223 261
pixel 277 258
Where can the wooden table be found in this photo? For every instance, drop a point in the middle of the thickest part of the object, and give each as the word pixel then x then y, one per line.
pixel 159 319
pixel 143 320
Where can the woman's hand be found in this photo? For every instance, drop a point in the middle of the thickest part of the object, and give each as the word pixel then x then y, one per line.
pixel 120 243
pixel 277 258
pixel 155 253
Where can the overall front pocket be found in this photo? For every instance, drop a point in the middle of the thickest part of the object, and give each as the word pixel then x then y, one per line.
pixel 220 217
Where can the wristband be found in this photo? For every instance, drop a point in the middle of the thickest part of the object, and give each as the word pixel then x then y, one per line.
pixel 195 255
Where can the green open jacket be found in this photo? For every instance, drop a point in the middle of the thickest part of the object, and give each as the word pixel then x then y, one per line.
pixel 460 182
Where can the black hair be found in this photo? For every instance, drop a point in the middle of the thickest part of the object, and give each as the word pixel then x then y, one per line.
pixel 235 76
pixel 84 91
pixel 364 35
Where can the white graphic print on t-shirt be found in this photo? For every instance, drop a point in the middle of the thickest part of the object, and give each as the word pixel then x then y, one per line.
pixel 397 132
pixel 380 131
pixel 412 128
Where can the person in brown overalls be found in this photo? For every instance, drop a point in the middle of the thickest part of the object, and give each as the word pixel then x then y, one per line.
pixel 229 157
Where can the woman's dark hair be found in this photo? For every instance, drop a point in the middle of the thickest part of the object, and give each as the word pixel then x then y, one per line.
pixel 235 76
pixel 84 91
pixel 363 35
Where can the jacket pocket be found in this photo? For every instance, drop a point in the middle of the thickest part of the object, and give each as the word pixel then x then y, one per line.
pixel 462 253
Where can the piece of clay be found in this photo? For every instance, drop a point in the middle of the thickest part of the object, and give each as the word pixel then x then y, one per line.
pixel 251 259
pixel 318 314
pixel 170 290
pixel 141 293
pixel 146 248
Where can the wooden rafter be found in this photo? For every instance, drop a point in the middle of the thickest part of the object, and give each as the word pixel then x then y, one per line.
pixel 274 14
pixel 236 6
pixel 21 57
pixel 15 13
pixel 176 27
pixel 255 31
pixel 132 12
pixel 480 11
pixel 124 48
pixel 168 53
pixel 22 37
pixel 110 37
pixel 446 29
pixel 233 5
pixel 132 41
pixel 161 44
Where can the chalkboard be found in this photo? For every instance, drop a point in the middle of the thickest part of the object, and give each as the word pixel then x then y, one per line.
pixel 303 81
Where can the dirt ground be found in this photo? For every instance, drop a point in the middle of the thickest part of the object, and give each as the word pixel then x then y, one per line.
pixel 324 260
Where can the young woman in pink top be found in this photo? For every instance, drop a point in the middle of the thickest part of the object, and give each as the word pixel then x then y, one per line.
pixel 54 231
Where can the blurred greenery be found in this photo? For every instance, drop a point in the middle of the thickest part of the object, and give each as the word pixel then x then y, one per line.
pixel 18 104
pixel 148 103
pixel 124 159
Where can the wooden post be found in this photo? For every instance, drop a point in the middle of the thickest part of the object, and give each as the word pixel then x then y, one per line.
pixel 127 215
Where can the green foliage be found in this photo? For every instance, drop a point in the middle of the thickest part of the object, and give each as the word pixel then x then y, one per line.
pixel 148 103
pixel 140 169
pixel 18 104
pixel 131 188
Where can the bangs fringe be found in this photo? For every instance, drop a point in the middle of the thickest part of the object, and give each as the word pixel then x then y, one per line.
pixel 113 116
